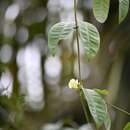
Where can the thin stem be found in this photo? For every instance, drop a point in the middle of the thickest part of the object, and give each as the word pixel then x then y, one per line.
pixel 120 109
pixel 77 37
pixel 79 66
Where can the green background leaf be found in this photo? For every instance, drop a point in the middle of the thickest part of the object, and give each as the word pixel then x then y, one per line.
pixel 123 9
pixel 101 9
pixel 127 127
pixel 58 32
pixel 90 37
pixel 97 106
pixel 102 92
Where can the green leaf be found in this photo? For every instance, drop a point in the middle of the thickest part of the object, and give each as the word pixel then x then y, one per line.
pixel 127 127
pixel 123 9
pixel 90 37
pixel 102 92
pixel 97 106
pixel 101 9
pixel 58 32
pixel 107 122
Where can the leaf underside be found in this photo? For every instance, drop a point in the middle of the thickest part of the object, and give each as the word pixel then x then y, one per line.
pixel 97 106
pixel 123 9
pixel 101 9
pixel 90 38
pixel 107 122
pixel 58 32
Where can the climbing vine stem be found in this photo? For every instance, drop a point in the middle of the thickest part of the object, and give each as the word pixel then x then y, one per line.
pixel 78 48
pixel 77 37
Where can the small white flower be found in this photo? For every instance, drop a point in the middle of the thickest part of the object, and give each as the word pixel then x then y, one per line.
pixel 74 84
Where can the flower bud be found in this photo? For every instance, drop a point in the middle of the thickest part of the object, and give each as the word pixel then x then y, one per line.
pixel 74 84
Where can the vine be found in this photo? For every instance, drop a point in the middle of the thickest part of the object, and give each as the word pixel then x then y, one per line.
pixel 90 38
pixel 77 37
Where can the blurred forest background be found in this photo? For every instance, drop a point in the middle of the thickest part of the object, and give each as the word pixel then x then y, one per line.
pixel 34 93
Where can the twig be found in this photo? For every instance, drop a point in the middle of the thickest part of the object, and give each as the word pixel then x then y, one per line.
pixel 119 109
pixel 77 37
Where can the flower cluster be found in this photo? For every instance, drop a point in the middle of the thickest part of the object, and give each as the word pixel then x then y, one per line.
pixel 73 83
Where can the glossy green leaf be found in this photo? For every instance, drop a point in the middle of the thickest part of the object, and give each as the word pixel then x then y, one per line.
pixel 123 9
pixel 101 9
pixel 90 37
pixel 58 32
pixel 107 122
pixel 102 91
pixel 97 106
pixel 127 127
